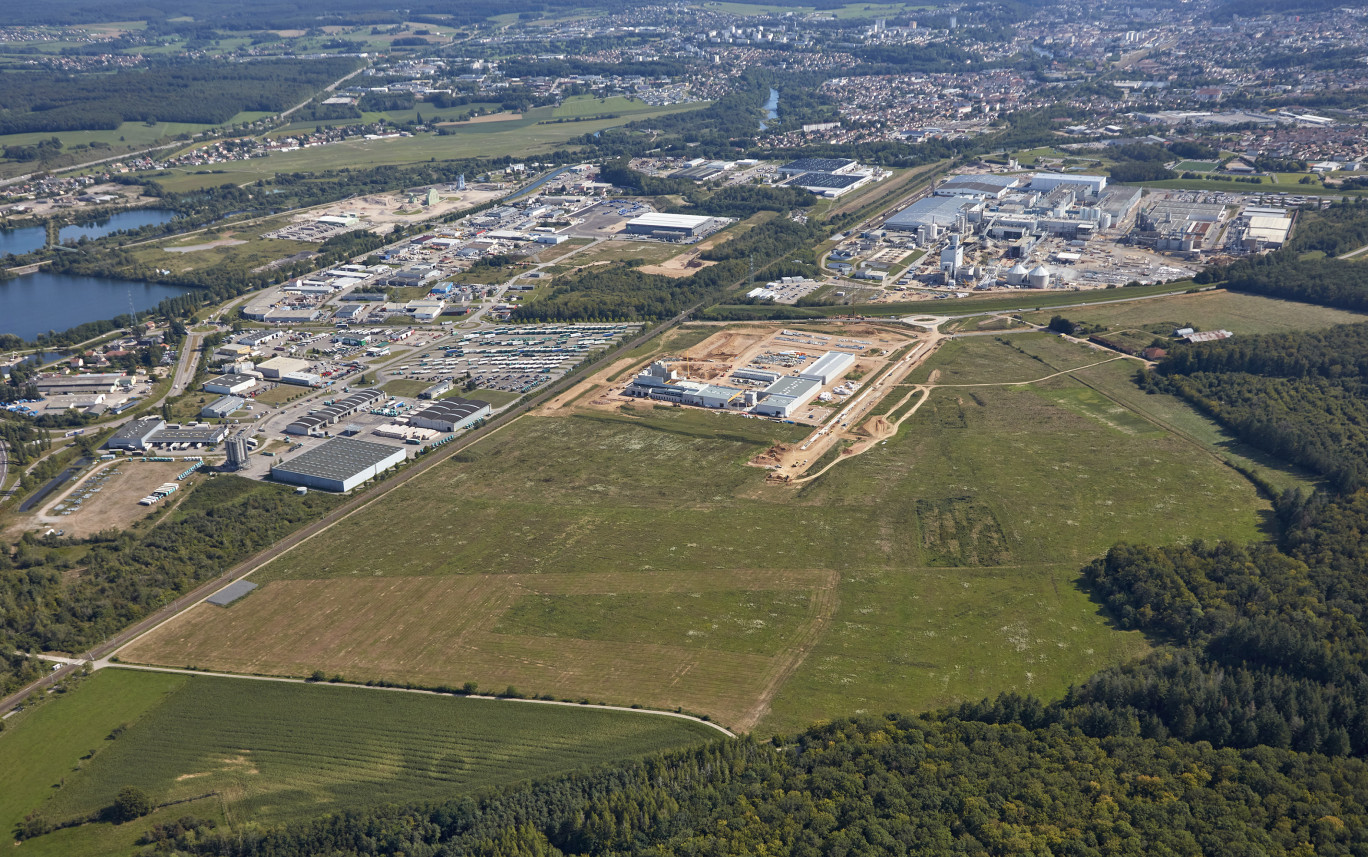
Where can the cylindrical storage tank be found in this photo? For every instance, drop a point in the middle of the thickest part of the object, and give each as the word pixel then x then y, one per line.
pixel 1106 220
pixel 1040 277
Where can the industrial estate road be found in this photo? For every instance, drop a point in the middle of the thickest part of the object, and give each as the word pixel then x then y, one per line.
pixel 242 569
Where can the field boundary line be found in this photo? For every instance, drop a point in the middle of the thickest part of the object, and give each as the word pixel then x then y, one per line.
pixel 826 598
pixel 678 715
pixel 185 602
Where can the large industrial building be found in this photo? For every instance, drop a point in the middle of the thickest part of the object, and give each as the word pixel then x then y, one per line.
pixel 136 434
pixel 150 432
pixel 932 211
pixel 450 415
pixel 82 385
pixel 221 407
pixel 672 227
pixel 830 185
pixel 819 165
pixel 1050 181
pixel 276 367
pixel 661 383
pixel 183 437
pixel 317 422
pixel 786 396
pixel 993 186
pixel 338 465
pixel 829 367
pixel 230 385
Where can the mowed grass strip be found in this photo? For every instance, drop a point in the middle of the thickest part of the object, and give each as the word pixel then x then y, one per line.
pixel 271 751
pixel 1238 313
pixel 369 630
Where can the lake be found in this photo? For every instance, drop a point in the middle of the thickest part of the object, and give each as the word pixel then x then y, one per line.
pixel 21 241
pixel 30 238
pixel 36 303
pixel 133 218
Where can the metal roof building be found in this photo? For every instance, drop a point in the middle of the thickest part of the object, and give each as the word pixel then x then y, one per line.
pixel 673 224
pixel 278 366
pixel 223 406
pixel 338 465
pixel 994 185
pixel 229 385
pixel 449 415
pixel 787 395
pixel 933 210
pixel 135 435
pixel 314 423
pixel 189 434
pixel 828 367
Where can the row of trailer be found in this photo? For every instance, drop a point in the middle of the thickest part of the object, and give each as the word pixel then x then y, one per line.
pixel 166 489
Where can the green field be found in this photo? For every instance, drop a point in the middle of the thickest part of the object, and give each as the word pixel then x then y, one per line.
pixel 268 752
pixel 406 387
pixel 1024 302
pixel 1238 313
pixel 1196 166
pixel 496 398
pixel 515 137
pixel 633 557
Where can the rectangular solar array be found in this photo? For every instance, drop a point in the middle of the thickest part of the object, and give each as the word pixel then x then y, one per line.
pixel 230 593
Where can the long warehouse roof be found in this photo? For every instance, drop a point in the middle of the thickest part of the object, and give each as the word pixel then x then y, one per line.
pixel 680 221
pixel 340 458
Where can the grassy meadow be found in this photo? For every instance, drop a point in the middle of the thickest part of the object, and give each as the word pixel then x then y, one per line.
pixel 631 556
pixel 238 750
pixel 522 136
pixel 1216 310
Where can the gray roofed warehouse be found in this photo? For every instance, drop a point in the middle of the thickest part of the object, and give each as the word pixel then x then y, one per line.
pixel 450 414
pixel 338 465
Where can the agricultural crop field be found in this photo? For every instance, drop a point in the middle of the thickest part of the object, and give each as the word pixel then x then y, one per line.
pixel 1238 313
pixel 237 750
pixel 653 566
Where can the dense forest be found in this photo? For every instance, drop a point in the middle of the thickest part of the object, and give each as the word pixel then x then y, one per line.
pixel 202 92
pixel 1302 396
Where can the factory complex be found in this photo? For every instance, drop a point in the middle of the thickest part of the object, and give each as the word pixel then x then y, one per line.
pixel 674 227
pixel 783 374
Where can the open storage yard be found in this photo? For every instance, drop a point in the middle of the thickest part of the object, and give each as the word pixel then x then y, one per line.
pixel 106 497
pixel 218 745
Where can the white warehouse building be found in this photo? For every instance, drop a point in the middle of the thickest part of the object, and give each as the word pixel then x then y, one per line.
pixel 1050 181
pixel 829 367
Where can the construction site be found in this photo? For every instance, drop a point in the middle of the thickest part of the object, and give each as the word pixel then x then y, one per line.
pixel 839 378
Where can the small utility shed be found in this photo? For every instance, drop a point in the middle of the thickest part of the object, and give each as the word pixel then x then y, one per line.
pixel 338 465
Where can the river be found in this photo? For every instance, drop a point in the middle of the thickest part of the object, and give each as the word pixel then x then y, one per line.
pixel 36 303
pixel 30 238
pixel 771 108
